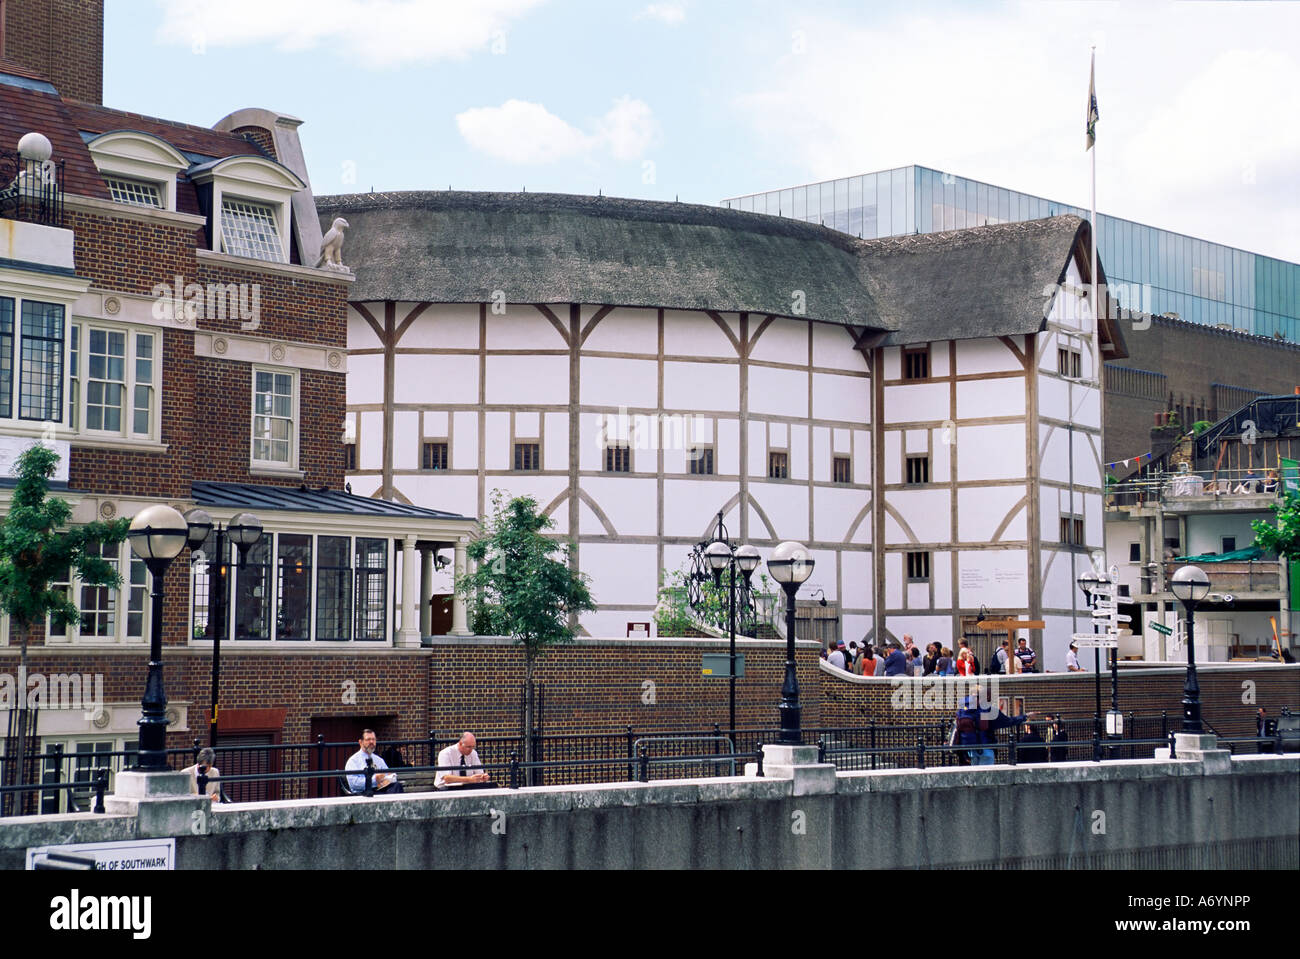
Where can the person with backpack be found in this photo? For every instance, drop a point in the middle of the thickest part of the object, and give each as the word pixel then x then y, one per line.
pixel 976 724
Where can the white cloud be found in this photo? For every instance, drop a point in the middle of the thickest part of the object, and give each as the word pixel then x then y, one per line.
pixel 379 33
pixel 667 13
pixel 1197 130
pixel 527 133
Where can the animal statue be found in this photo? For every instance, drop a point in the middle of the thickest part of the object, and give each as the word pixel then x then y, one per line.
pixel 332 245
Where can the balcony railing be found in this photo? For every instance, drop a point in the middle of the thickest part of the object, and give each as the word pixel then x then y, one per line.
pixel 31 190
pixel 1203 486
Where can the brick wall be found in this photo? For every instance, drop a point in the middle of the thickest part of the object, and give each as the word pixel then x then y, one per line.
pixel 63 40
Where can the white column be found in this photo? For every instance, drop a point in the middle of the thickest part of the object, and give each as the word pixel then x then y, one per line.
pixel 426 590
pixel 459 625
pixel 409 634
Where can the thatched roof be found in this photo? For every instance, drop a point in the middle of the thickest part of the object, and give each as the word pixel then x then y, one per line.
pixel 458 247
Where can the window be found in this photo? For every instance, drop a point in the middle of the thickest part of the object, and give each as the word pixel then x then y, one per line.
pixel 916 364
pixel 111 380
pixel 433 456
pixel 1135 552
pixel 918 567
pixel 618 458
pixel 134 192
pixel 334 589
pixel 842 470
pixel 372 589
pixel 918 469
pixel 249 229
pixel 1072 530
pixel 778 465
pixel 293 616
pixel 349 457
pixel 274 414
pixel 6 357
pixel 101 620
pixel 40 372
pixel 1229 544
pixel 75 761
pixel 253 603
pixel 700 460
pixel 528 456
pixel 1069 363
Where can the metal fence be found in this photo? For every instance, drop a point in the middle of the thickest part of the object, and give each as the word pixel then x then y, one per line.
pixel 70 782
pixel 31 190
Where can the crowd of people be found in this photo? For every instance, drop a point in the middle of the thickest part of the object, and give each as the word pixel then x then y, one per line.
pixel 905 659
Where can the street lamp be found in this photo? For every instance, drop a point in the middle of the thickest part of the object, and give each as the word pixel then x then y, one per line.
pixel 244 530
pixel 1089 582
pixel 158 534
pixel 1191 585
pixel 720 556
pixel 790 565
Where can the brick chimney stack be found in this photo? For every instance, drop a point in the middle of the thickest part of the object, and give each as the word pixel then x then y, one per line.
pixel 62 40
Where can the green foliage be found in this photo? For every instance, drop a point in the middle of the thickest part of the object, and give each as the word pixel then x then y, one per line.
pixel 1200 426
pixel 34 553
pixel 1281 536
pixel 519 588
pixel 674 616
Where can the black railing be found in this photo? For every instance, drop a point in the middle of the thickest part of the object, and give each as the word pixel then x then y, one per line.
pixel 31 190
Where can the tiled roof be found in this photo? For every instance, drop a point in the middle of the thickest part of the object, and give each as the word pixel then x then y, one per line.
pixel 187 138
pixel 24 110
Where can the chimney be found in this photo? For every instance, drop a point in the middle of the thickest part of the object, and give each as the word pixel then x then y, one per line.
pixel 62 40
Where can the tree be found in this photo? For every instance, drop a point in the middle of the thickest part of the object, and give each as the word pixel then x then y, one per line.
pixel 35 551
pixel 519 588
pixel 1283 535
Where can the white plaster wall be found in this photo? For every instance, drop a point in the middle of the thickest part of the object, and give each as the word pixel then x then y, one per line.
pixel 998 397
pixel 523 324
pixel 862 456
pixel 616 382
pixel 544 489
pixel 365 379
pixel 922 629
pixel 941 576
pixel 457 494
pixel 842 398
pixel 701 386
pixel 624 330
pixel 987 356
pixel 443 326
pixel 498 448
pixel 927 511
pixel 994 578
pixel 821 439
pixel 695 334
pixel 784 341
pixel 526 380
pixel 464 451
pixel 895 569
pixel 916 403
pixel 777 392
pixel 835 509
pixel 918 595
pixel 726 452
pixel 428 379
pixel 1060 583
pixel 1205 532
pixel 893 441
pixel 891 363
pixel 943 439
pixel 855 572
pixel 688 504
pixel 406 440
pixel 360 334
pixel 591 455
pixel 1055 443
pixel 786 506
pixel 991 452
pixel 798 452
pixel 556 446
pixel 1056 643
pixel 757 466
pixel 981 510
pixel 370 441
pixel 629 502
pixel 833 348
pixel 854 626
pixel 1120 534
pixel 939 360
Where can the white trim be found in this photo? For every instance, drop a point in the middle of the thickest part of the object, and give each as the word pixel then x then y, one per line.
pixel 259 350
pixel 139 156
pixel 295 425
pixel 93 204
pixel 266 266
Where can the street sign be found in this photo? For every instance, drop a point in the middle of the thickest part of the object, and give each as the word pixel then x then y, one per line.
pixel 1096 641
pixel 1160 628
pixel 718 665
pixel 990 625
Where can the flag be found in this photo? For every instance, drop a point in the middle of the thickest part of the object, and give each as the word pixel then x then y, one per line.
pixel 1093 116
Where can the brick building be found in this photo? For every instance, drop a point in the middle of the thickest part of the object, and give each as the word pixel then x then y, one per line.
pixel 165 327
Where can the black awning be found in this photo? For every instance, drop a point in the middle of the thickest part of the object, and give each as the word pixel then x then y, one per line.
pixel 305 499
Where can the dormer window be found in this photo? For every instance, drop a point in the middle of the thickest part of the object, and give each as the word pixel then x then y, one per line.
pixel 249 229
pixel 134 192
pixel 249 200
pixel 139 169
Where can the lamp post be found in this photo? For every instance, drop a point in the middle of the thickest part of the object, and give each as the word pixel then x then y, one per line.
pixel 722 557
pixel 1089 582
pixel 158 534
pixel 790 565
pixel 1191 585
pixel 244 530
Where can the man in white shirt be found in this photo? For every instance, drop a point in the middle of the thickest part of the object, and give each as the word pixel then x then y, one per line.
pixel 384 782
pixel 836 658
pixel 1072 660
pixel 467 771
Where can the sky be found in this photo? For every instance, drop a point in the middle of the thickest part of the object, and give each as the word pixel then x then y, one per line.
pixel 1199 102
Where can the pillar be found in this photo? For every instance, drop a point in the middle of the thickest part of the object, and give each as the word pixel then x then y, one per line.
pixel 426 590
pixel 459 622
pixel 409 634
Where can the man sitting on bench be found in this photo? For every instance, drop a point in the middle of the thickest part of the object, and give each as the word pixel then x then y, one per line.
pixel 384 782
pixel 467 769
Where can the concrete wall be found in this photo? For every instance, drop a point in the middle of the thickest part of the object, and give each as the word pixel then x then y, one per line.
pixel 1140 814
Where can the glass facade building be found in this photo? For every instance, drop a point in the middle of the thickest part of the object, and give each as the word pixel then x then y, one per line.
pixel 1148 269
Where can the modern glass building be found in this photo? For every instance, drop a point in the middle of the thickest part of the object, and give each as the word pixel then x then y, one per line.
pixel 1149 269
